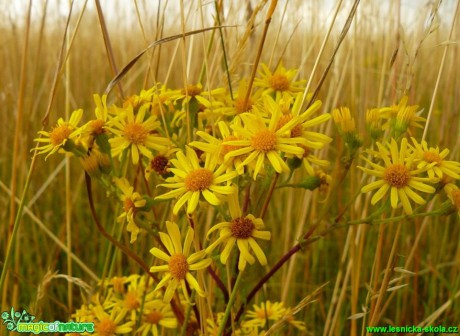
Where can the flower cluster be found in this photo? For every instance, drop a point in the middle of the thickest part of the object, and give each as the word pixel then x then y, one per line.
pixel 195 167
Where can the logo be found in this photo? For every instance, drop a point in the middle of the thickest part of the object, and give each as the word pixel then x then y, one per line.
pixel 23 322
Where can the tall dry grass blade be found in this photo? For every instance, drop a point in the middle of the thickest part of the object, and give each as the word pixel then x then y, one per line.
pixel 136 58
pixel 268 19
pixel 441 67
pixel 15 159
pixel 321 50
pixel 32 166
pixel 343 33
pixel 108 45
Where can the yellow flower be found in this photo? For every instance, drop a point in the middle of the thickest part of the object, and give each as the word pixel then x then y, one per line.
pixel 453 192
pixel 240 230
pixel 160 163
pixel 279 82
pixel 136 134
pixel 261 141
pixel 397 175
pixel 267 311
pixel 137 291
pixel 345 122
pixel 180 262
pixel 216 147
pixel 312 139
pixel 156 316
pixel 111 325
pixel 373 123
pixel 132 202
pixel 136 101
pixel 62 133
pixel 308 158
pixel 433 160
pixel 401 116
pixel 190 180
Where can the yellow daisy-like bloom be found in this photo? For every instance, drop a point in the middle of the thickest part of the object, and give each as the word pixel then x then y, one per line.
pixel 190 180
pixel 137 291
pixel 137 134
pixel 216 147
pixel 58 137
pixel 261 141
pixel 312 139
pixel 453 192
pixel 111 325
pixel 98 126
pixel 397 175
pixel 240 230
pixel 308 158
pixel 433 160
pixel 345 122
pixel 132 201
pixel 278 82
pixel 180 262
pixel 156 317
pixel 159 164
pixel 401 116
pixel 136 101
pixel 267 311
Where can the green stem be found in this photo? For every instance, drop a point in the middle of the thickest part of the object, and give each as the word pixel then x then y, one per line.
pixel 230 304
pixel 183 331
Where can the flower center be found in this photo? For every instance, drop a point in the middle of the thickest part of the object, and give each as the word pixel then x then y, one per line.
pixel 106 327
pixel 431 157
pixel 278 82
pixel 154 317
pixel 60 134
pixel 131 301
pixel 128 205
pixel 264 141
pixel 135 133
pixel 199 179
pixel 178 266
pixel 228 148
pixel 192 91
pixel 296 131
pixel 242 227
pixel 159 164
pixel 397 175
pixel 264 313
pixel 241 107
pixel 96 127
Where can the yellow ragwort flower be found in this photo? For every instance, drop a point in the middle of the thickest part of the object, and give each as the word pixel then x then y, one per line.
pixel 190 180
pixel 434 161
pixel 278 82
pixel 156 316
pixel 265 312
pixel 398 175
pixel 132 201
pixel 135 133
pixel 240 230
pixel 58 137
pixel 180 262
pixel 261 141
pixel 111 324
